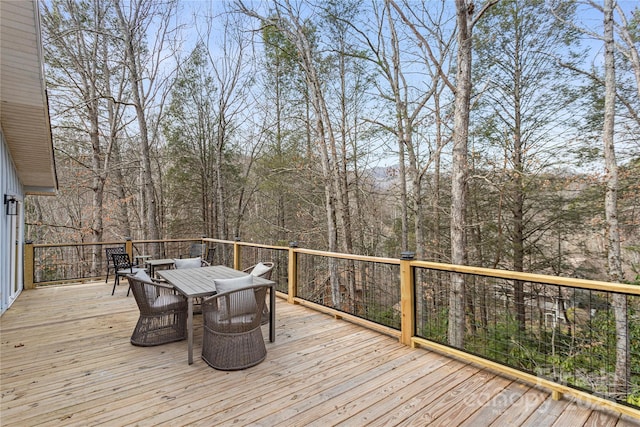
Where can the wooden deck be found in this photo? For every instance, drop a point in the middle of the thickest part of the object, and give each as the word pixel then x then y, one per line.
pixel 66 360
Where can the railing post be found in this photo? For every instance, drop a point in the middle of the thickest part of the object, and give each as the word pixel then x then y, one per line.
pixel 407 299
pixel 28 264
pixel 292 273
pixel 128 247
pixel 237 254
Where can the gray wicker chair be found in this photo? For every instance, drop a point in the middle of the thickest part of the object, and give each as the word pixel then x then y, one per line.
pixel 195 262
pixel 265 274
pixel 232 337
pixel 202 250
pixel 192 263
pixel 163 313
pixel 197 250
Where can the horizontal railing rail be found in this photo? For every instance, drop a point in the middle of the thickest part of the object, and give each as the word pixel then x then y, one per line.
pixel 554 332
pixel 55 263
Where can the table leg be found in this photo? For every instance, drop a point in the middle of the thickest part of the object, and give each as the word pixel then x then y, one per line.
pixel 190 329
pixel 272 314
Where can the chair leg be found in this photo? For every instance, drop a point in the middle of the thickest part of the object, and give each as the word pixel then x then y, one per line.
pixel 107 278
pixel 116 282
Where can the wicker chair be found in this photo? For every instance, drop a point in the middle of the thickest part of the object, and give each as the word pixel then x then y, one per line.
pixel 124 267
pixel 108 252
pixel 197 250
pixel 202 250
pixel 232 337
pixel 264 270
pixel 195 262
pixel 192 263
pixel 163 312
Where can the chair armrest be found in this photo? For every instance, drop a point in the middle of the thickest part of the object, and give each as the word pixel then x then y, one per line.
pixel 164 284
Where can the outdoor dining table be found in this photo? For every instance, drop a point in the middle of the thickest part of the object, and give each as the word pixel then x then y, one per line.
pixel 141 258
pixel 199 282
pixel 155 263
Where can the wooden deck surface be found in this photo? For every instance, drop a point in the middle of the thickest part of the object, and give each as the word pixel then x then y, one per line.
pixel 66 360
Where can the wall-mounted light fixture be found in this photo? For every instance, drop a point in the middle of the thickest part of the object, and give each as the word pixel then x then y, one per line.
pixel 11 205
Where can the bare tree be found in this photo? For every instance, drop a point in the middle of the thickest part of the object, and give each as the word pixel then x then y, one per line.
pixel 147 84
pixel 622 369
pixel 465 20
pixel 410 106
pixel 231 76
pixel 292 26
pixel 80 55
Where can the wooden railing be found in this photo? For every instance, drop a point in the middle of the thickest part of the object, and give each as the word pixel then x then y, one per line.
pixel 559 336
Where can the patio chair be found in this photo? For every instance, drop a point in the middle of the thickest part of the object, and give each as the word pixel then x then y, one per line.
pixel 210 253
pixel 163 312
pixel 262 269
pixel 192 263
pixel 232 338
pixel 123 267
pixel 197 250
pixel 203 251
pixel 108 252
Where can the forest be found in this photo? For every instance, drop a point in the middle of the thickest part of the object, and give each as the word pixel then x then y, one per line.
pixel 489 133
pixel 502 134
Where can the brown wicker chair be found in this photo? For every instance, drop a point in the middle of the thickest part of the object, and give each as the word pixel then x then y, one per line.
pixel 192 263
pixel 195 262
pixel 232 337
pixel 163 312
pixel 263 271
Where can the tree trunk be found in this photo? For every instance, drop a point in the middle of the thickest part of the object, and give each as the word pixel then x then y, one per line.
pixel 137 91
pixel 401 115
pixel 517 237
pixel 622 369
pixel 459 173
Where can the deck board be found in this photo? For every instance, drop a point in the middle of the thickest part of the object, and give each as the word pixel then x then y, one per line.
pixel 66 359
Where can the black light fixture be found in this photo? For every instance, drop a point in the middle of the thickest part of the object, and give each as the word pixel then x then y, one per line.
pixel 11 205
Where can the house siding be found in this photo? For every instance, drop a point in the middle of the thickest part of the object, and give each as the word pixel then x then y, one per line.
pixel 11 231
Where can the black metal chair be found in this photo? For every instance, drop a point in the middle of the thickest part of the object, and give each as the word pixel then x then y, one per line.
pixel 123 267
pixel 108 252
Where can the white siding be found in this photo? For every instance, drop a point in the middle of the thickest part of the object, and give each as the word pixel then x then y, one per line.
pixel 11 230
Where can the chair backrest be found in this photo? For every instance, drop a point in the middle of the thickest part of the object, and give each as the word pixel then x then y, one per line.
pixel 237 310
pixel 121 261
pixel 141 292
pixel 262 269
pixel 115 250
pixel 146 293
pixel 180 263
pixel 197 250
pixel 210 253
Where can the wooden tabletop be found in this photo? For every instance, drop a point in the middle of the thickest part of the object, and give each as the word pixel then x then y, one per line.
pixel 158 262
